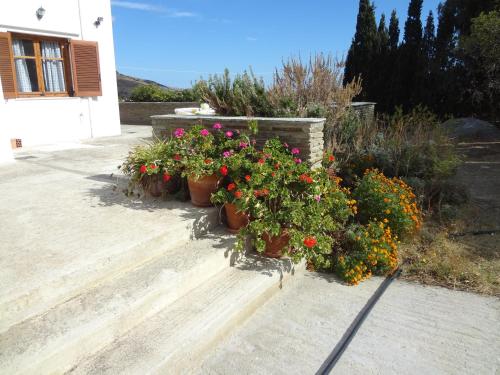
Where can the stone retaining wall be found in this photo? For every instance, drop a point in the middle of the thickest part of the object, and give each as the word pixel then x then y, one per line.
pixel 139 113
pixel 303 133
pixel 364 110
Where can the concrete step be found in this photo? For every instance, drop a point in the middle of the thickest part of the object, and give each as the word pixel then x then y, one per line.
pixel 72 273
pixel 55 341
pixel 174 340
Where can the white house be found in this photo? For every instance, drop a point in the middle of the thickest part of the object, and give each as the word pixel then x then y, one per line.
pixel 57 72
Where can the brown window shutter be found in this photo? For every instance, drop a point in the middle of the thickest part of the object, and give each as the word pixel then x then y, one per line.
pixel 86 73
pixel 6 67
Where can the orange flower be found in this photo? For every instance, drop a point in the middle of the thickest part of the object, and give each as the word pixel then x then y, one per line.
pixel 238 194
pixel 208 161
pixel 331 158
pixel 247 177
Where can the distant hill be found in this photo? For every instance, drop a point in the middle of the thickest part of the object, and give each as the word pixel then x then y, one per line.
pixel 127 83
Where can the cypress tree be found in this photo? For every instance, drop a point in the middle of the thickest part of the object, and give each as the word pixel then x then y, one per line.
pixel 394 31
pixel 428 54
pixel 382 72
pixel 361 53
pixel 393 65
pixel 411 56
pixel 444 69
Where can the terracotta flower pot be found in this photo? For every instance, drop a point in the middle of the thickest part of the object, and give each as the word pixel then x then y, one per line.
pixel 201 189
pixel 235 220
pixel 275 245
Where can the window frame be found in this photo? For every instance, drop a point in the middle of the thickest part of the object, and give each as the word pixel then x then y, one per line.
pixel 37 39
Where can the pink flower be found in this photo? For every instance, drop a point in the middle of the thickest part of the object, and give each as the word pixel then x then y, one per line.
pixel 286 145
pixel 227 154
pixel 297 160
pixel 204 132
pixel 179 132
pixel 217 126
pixel 243 145
pixel 317 197
pixel 229 134
pixel 295 151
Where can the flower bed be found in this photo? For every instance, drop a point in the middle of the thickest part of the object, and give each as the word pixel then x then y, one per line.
pixel 283 205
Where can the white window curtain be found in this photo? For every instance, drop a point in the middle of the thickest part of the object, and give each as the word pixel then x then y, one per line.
pixel 53 70
pixel 23 77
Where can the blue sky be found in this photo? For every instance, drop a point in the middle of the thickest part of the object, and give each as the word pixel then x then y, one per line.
pixel 174 42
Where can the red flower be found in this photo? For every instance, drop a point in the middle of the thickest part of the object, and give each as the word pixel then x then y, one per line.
pixel 223 170
pixel 247 177
pixel 273 174
pixel 256 193
pixel 143 169
pixel 177 157
pixel 231 186
pixel 166 177
pixel 310 242
pixel 208 161
pixel 306 178
pixel 331 158
pixel 277 166
pixel 238 194
pixel 265 192
pixel 261 161
pixel 152 166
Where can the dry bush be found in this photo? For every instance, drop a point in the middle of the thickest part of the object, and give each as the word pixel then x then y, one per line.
pixel 313 89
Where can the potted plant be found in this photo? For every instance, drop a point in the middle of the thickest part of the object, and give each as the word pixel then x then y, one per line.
pixel 294 209
pixel 200 153
pixel 238 163
pixel 149 167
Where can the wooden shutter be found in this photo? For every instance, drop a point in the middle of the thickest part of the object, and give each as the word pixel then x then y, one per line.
pixel 6 67
pixel 86 72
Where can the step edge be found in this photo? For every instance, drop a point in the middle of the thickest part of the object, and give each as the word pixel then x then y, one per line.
pixel 9 318
pixel 116 326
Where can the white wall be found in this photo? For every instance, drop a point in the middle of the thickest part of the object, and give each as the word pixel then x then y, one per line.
pixel 50 120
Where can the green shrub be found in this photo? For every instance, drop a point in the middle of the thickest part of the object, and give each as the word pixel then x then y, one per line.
pixel 154 93
pixel 410 146
pixel 244 96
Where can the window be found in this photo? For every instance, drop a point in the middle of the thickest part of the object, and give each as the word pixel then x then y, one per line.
pixel 39 65
pixel 33 66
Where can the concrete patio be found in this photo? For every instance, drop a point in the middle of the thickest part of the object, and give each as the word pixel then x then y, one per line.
pixel 94 282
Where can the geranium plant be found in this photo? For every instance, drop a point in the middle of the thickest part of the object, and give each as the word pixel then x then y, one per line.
pixel 283 195
pixel 150 164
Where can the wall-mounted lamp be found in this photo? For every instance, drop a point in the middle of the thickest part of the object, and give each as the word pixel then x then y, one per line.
pixel 40 12
pixel 98 21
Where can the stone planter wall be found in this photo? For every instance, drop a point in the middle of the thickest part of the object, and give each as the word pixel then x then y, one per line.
pixel 304 133
pixel 139 113
pixel 364 110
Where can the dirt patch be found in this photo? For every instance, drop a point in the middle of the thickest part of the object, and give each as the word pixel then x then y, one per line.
pixel 464 252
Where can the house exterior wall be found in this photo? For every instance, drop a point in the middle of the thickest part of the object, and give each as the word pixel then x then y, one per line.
pixel 42 120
